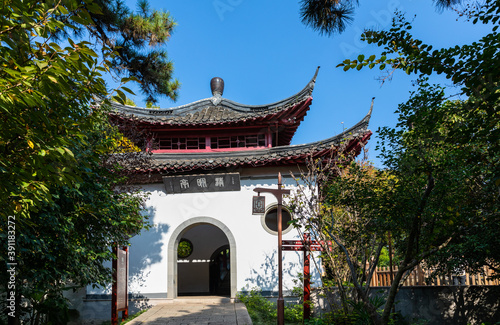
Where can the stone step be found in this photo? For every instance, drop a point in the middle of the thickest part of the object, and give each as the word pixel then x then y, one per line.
pixel 203 300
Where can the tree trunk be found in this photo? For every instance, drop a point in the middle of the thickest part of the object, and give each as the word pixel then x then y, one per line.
pixel 392 295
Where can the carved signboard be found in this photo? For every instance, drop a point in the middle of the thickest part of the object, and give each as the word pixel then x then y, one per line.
pixel 259 205
pixel 119 294
pixel 202 183
pixel 121 279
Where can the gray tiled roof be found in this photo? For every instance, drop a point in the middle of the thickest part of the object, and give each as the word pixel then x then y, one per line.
pixel 179 162
pixel 212 110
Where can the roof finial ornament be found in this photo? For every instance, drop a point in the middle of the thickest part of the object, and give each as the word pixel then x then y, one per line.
pixel 217 87
pixel 371 106
pixel 366 119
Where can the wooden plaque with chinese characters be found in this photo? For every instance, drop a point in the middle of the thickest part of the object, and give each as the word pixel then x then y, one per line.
pixel 121 279
pixel 202 183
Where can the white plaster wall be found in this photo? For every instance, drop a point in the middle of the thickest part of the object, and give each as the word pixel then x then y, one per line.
pixel 256 248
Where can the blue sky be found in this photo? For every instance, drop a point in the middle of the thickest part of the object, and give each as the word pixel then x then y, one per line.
pixel 264 53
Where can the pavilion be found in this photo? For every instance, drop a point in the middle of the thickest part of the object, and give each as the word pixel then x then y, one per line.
pixel 208 156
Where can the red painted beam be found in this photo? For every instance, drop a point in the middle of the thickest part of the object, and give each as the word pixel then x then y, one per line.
pixel 302 248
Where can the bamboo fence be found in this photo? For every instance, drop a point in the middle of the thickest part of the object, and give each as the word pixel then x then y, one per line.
pixel 420 277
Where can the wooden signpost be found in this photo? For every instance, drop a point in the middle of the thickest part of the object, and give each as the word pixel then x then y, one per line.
pixel 305 245
pixel 278 193
pixel 119 295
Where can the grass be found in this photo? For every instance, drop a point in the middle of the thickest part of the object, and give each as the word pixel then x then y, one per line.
pixel 263 312
pixel 130 317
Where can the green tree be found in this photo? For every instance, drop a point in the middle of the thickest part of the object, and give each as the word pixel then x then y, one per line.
pixel 47 87
pixel 443 154
pixel 352 221
pixel 428 198
pixel 66 242
pixel 60 198
pixel 329 17
pixel 137 41
pixel 432 195
pixel 338 201
pixel 46 91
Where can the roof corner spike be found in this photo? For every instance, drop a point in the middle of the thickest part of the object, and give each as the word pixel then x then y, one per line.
pixel 313 80
pixel 366 119
pixel 371 107
pixel 315 74
pixel 310 86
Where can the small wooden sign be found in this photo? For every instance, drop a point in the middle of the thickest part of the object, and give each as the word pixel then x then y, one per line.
pixel 119 295
pixel 259 205
pixel 121 280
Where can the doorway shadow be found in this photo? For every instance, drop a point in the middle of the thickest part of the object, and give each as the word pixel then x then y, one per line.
pixel 219 272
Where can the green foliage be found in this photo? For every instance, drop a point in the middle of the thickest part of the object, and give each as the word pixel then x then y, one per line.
pixel 326 16
pixel 69 239
pixel 347 213
pixel 438 197
pixel 129 319
pixel 474 66
pixel 264 312
pixel 329 17
pixel 294 313
pixel 52 307
pixel 45 97
pixel 336 317
pixel 298 288
pixel 361 315
pixel 150 105
pixel 384 258
pixel 136 40
pixel 435 140
pixel 261 310
pixel 356 226
pixel 185 248
pixel 441 199
pixel 61 183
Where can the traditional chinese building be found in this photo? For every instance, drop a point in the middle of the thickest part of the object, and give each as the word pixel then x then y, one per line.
pixel 208 156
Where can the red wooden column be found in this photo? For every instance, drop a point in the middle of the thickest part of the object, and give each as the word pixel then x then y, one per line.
pixel 306 245
pixel 125 311
pixel 307 277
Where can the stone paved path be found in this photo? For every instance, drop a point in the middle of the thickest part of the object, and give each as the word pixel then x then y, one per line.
pixel 196 311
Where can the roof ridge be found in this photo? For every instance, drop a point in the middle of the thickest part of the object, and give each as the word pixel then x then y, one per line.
pixel 182 110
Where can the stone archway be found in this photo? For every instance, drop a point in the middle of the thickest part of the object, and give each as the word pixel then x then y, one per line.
pixel 172 275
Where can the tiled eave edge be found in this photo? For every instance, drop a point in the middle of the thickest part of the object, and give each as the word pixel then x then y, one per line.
pixel 154 174
pixel 257 158
pixel 297 111
pixel 355 137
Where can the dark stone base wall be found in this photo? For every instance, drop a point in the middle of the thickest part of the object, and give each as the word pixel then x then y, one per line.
pixel 443 305
pixel 451 304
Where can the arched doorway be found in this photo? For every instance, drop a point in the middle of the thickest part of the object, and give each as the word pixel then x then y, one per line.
pixel 196 261
pixel 182 280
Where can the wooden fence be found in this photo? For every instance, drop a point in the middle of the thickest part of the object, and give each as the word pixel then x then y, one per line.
pixel 420 277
